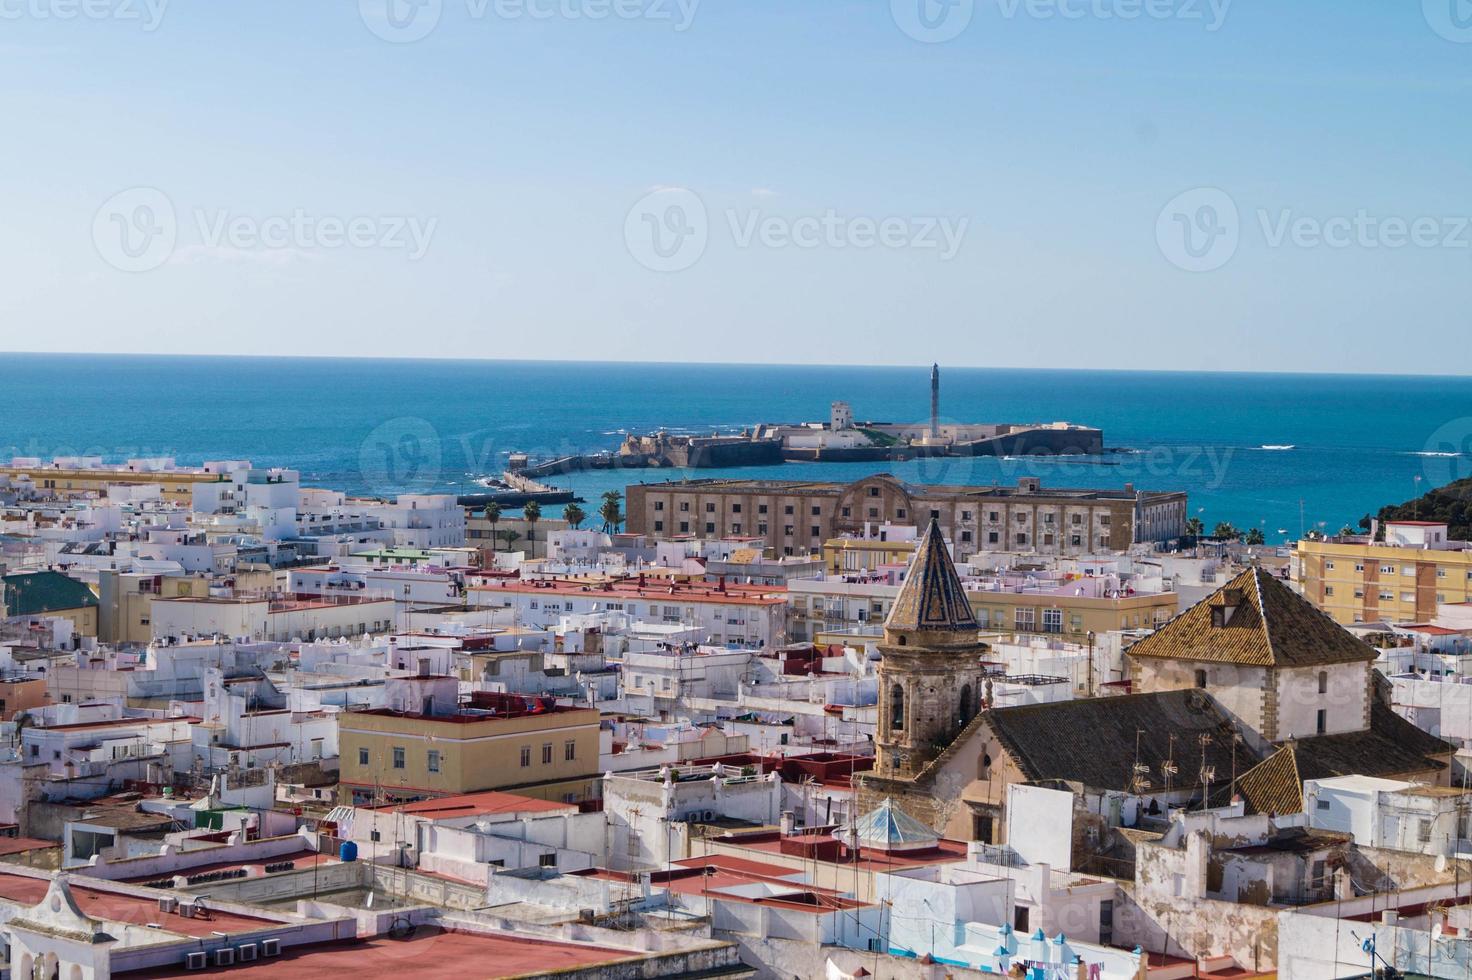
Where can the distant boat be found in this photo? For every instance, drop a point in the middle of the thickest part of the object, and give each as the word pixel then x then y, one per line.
pixel 1278 448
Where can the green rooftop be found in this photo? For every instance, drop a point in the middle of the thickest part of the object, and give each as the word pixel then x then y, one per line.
pixel 37 593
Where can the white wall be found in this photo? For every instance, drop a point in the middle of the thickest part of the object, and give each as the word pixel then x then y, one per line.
pixel 1040 825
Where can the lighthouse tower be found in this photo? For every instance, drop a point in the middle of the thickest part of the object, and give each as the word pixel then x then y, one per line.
pixel 934 403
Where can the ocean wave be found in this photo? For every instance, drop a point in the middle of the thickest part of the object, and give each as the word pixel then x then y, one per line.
pixel 1278 449
pixel 1439 455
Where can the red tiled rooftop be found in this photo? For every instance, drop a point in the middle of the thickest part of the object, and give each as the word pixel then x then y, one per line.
pixel 729 862
pixel 945 852
pixel 138 910
pixel 480 804
pixel 19 845
pixel 428 952
pixel 723 876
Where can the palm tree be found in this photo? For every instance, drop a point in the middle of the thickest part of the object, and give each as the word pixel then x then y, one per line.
pixel 574 515
pixel 1255 537
pixel 531 513
pixel 1195 528
pixel 492 514
pixel 610 512
pixel 510 537
pixel 1225 531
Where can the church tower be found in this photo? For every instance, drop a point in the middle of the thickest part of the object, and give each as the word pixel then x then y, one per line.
pixel 930 675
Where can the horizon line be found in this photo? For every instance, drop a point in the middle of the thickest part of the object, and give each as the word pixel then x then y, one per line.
pixel 428 359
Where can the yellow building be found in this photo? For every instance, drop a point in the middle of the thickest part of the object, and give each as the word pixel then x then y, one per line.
pixel 1400 580
pixel 854 554
pixel 430 744
pixel 72 481
pixel 845 612
pixel 1075 615
pixel 125 611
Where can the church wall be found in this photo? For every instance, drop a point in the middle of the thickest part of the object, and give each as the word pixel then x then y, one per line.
pixel 1346 703
pixel 1245 693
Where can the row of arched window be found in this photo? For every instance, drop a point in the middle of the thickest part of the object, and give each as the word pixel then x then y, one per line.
pixel 966 707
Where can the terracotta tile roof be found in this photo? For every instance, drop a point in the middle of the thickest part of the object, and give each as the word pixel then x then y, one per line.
pixel 1390 747
pixel 1255 621
pixel 1273 785
pixel 1094 742
pixel 932 598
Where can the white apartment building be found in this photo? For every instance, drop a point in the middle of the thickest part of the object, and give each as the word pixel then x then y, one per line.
pixel 1392 814
pixel 281 617
pixel 726 615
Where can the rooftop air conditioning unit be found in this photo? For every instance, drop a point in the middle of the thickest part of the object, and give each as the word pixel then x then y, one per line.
pixel 225 957
pixel 168 904
pixel 186 909
pixel 246 953
pixel 270 947
pixel 196 961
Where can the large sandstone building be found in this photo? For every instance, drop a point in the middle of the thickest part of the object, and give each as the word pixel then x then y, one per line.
pixel 795 517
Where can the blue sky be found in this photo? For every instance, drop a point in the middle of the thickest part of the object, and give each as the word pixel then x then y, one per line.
pixel 496 175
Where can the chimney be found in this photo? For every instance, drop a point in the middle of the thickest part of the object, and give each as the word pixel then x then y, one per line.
pixel 789 823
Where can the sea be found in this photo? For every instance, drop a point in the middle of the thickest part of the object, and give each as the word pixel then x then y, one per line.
pixel 1283 453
